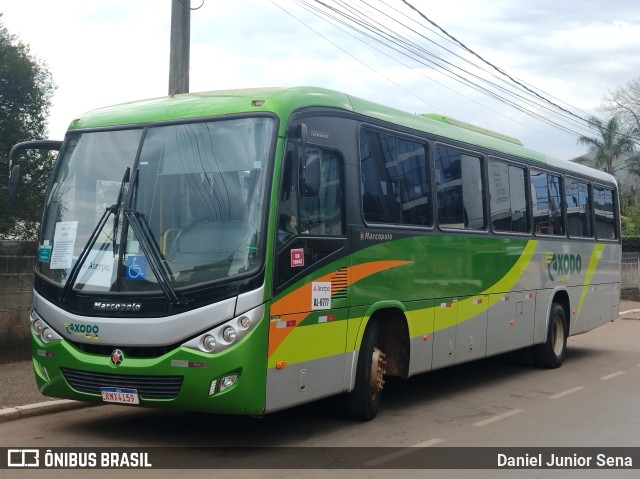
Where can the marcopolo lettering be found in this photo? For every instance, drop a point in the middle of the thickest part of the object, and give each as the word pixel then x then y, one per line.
pixel 117 306
pixel 563 265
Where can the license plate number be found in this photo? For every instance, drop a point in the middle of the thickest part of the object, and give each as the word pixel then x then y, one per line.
pixel 120 396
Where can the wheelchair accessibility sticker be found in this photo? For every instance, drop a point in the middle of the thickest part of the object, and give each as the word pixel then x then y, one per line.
pixel 136 268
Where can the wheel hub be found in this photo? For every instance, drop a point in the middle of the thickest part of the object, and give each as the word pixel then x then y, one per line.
pixel 378 363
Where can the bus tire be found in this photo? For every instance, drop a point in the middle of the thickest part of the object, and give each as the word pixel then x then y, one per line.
pixel 550 354
pixel 364 401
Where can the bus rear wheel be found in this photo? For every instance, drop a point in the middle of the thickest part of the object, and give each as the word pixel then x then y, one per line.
pixel 364 401
pixel 550 354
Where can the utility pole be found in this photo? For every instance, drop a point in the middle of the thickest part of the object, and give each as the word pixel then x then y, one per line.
pixel 179 48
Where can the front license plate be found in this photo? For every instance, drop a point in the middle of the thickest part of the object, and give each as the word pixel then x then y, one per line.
pixel 120 396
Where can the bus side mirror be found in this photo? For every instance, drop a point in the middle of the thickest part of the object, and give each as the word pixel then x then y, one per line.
pixel 309 186
pixel 14 175
pixel 12 185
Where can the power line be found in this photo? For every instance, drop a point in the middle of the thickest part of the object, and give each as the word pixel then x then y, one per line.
pixel 440 62
pixel 406 45
pixel 499 70
pixel 484 77
pixel 353 56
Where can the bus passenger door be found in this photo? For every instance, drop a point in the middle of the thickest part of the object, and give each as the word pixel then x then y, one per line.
pixel 309 314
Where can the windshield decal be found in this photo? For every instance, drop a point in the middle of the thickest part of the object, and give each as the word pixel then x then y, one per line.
pixel 44 252
pixel 136 268
pixel 64 240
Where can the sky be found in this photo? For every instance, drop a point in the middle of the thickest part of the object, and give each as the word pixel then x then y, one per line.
pixel 572 52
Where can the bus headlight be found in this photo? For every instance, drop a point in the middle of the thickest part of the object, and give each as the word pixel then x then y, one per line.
pixel 47 335
pixel 229 334
pixel 208 343
pixel 244 322
pixel 227 381
pixel 38 326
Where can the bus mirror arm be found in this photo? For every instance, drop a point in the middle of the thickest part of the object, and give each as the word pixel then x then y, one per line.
pixel 14 169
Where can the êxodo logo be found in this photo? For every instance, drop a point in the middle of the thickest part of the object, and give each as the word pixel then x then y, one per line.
pixel 562 265
pixel 86 330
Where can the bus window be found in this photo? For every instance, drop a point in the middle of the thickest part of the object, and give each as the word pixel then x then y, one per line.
pixel 547 203
pixel 508 198
pixel 395 180
pixel 578 200
pixel 605 213
pixel 460 190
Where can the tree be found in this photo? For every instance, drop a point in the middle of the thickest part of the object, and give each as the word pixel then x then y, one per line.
pixel 624 103
pixel 26 89
pixel 611 149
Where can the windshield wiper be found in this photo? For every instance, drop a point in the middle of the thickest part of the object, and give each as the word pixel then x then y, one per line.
pixel 140 225
pixel 115 208
pixel 116 213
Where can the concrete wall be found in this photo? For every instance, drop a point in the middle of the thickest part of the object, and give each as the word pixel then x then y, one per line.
pixel 17 259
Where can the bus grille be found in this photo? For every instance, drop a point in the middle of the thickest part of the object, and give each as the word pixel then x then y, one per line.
pixel 148 387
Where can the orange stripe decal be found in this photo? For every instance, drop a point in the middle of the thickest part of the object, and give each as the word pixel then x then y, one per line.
pixel 297 304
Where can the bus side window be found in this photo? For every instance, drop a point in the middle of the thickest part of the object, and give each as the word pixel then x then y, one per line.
pixel 508 199
pixel 605 213
pixel 578 201
pixel 547 203
pixel 395 180
pixel 460 190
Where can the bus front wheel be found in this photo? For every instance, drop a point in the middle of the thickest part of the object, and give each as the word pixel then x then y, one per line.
pixel 363 402
pixel 550 354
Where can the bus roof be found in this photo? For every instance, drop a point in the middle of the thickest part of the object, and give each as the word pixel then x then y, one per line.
pixel 285 101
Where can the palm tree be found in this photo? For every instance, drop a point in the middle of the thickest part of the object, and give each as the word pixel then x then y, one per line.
pixel 610 147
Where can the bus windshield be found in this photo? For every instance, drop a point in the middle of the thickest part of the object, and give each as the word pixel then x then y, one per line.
pixel 197 191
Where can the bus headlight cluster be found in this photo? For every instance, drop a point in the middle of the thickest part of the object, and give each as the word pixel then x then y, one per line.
pixel 227 334
pixel 42 330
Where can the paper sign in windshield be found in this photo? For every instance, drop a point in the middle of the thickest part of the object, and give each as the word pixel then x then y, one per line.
pixel 64 239
pixel 97 269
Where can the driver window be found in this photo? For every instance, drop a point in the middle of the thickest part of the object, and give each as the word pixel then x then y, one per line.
pixel 316 216
pixel 310 229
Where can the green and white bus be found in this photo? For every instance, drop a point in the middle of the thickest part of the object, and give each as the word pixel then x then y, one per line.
pixel 245 251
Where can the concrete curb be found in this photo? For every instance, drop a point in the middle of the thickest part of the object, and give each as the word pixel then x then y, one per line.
pixel 37 409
